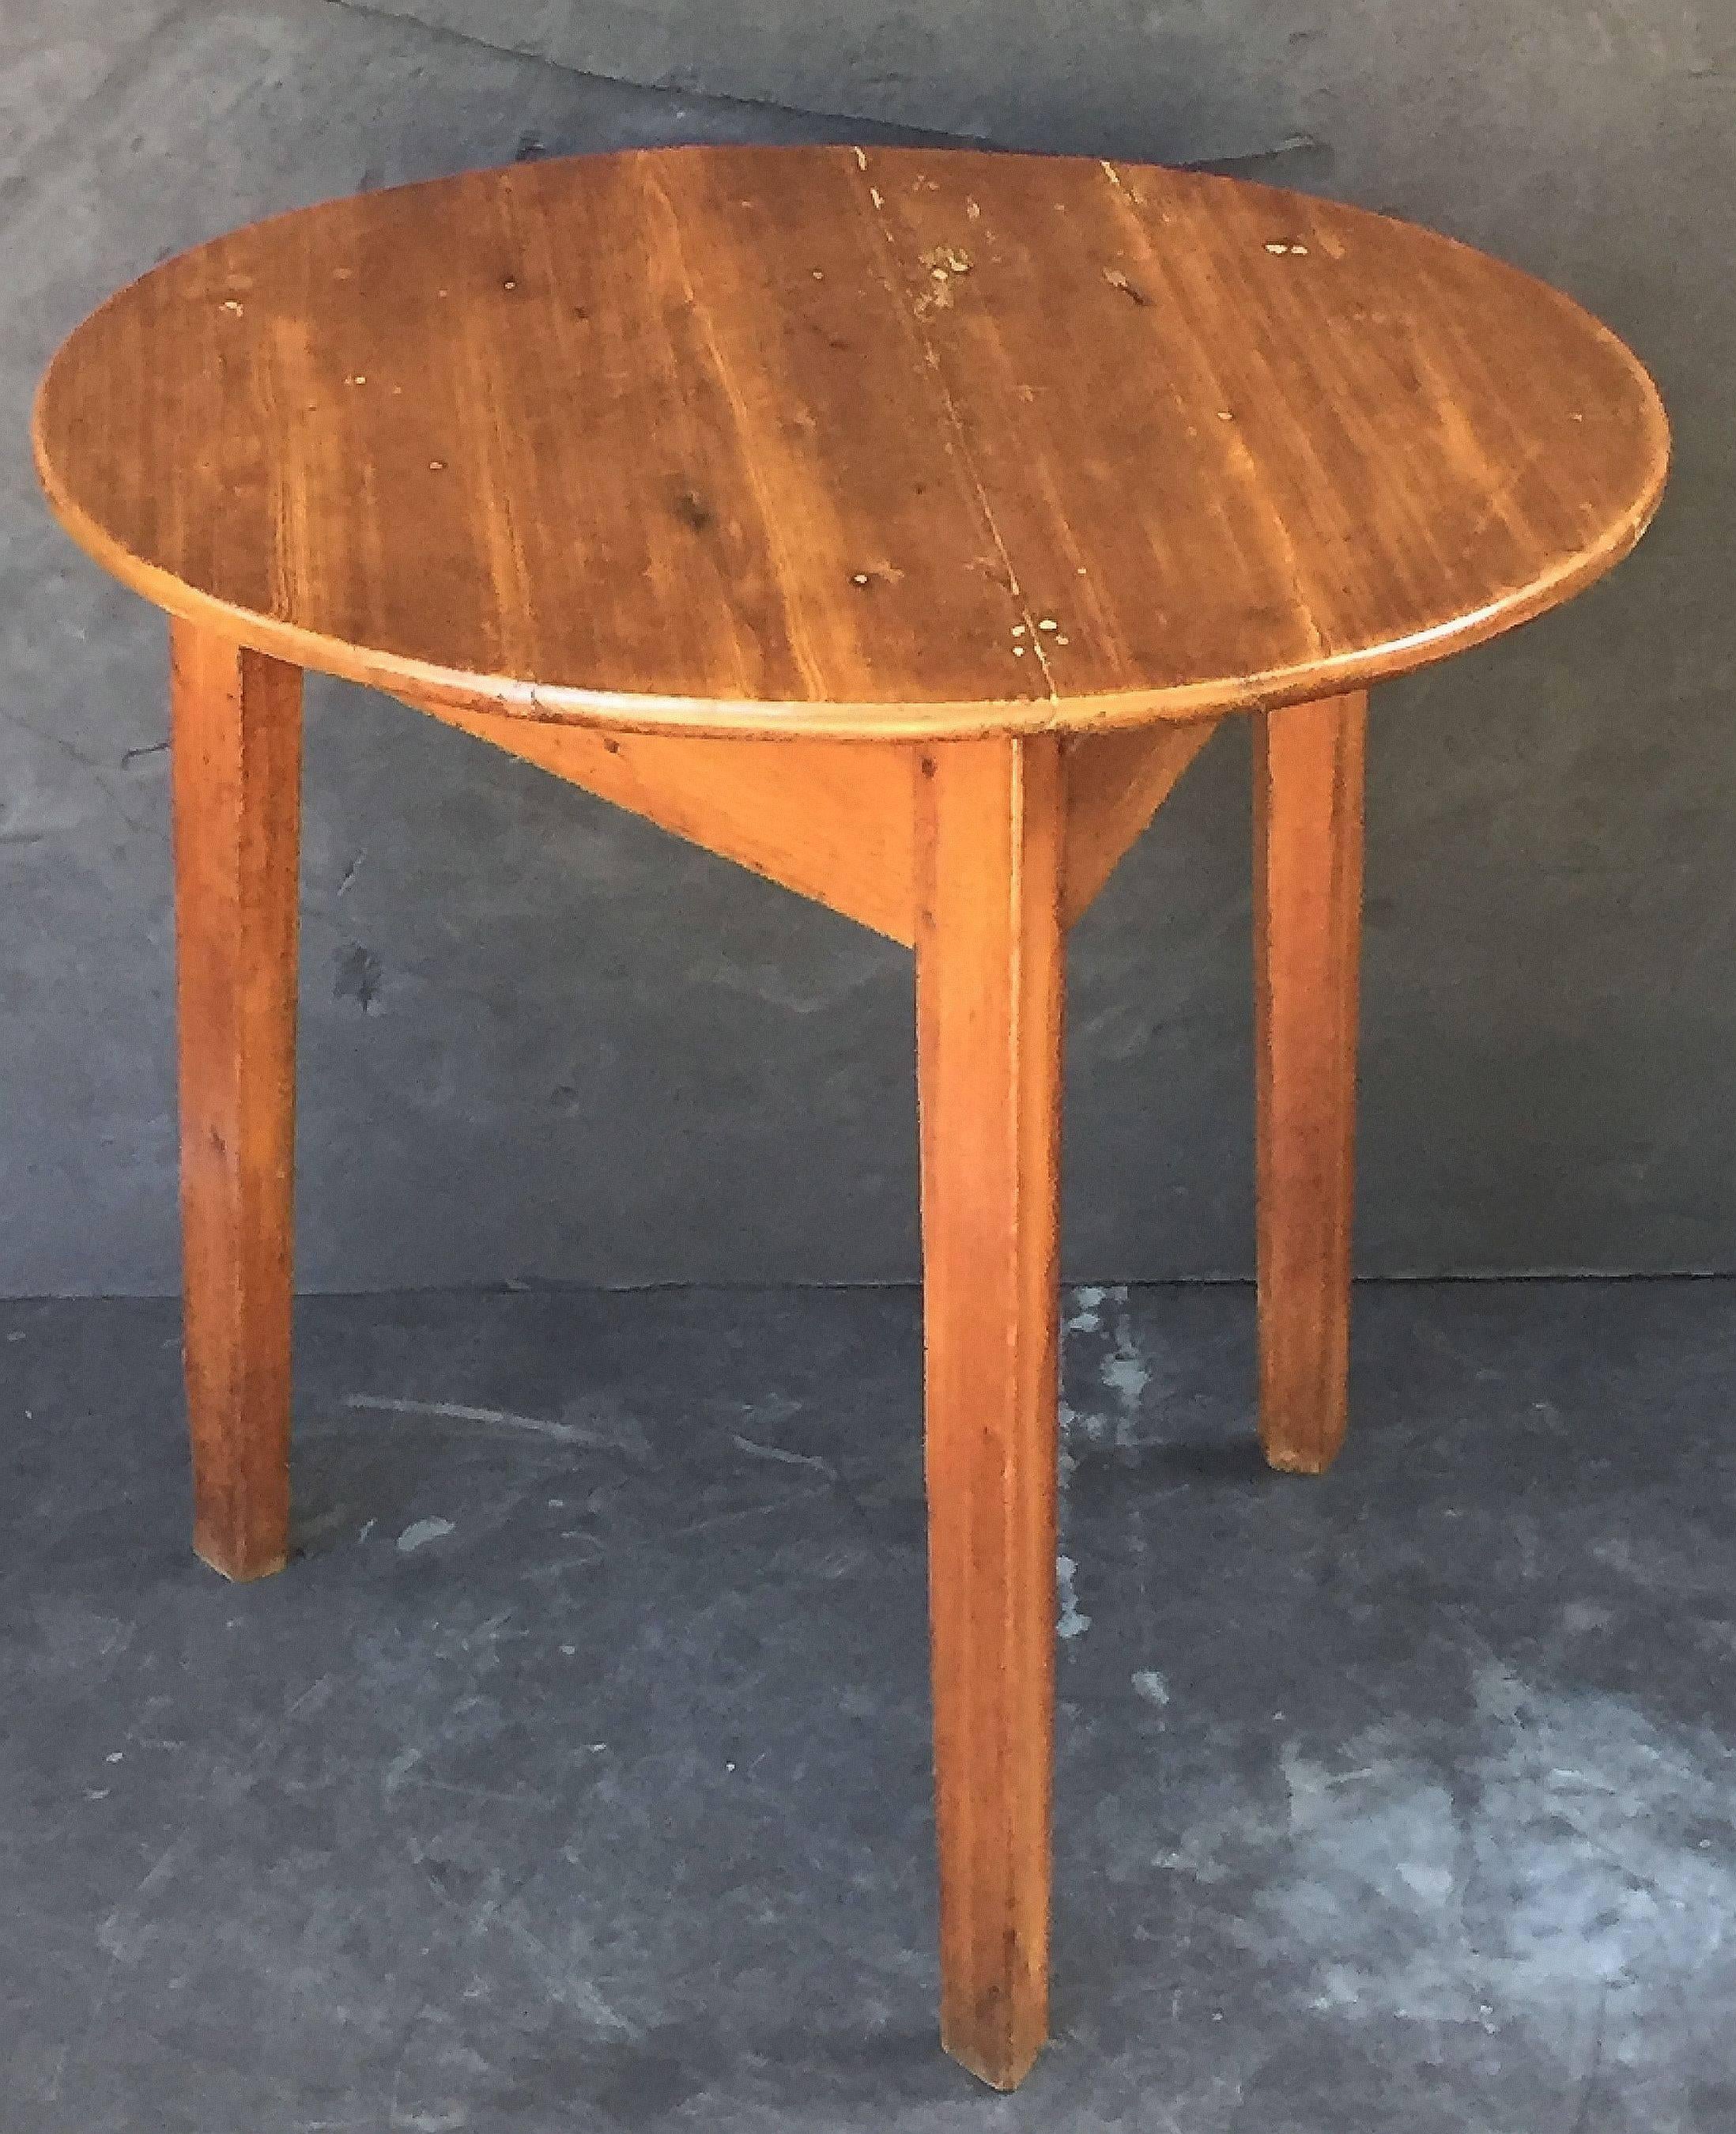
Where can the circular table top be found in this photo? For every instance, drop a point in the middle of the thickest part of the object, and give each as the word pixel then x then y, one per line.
pixel 883 442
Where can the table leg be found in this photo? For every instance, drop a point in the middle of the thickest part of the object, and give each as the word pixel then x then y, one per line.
pixel 1307 889
pixel 236 760
pixel 990 961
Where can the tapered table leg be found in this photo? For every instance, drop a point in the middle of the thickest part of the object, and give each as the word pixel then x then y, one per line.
pixel 990 954
pixel 236 762
pixel 1308 890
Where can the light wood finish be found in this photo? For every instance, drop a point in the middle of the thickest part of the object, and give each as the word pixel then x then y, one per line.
pixel 831 819
pixel 1308 910
pixel 818 439
pixel 236 764
pixel 897 523
pixel 1116 782
pixel 989 964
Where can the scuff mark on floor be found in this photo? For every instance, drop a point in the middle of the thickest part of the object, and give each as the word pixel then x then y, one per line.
pixel 497 1418
pixel 780 1452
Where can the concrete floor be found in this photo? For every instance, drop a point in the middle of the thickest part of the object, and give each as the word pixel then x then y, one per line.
pixel 575 1775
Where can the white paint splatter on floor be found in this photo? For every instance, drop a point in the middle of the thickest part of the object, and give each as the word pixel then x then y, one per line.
pixel 1072 1622
pixel 1105 1346
pixel 424 1531
pixel 1576 1877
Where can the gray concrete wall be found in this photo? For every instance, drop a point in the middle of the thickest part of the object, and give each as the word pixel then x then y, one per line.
pixel 541 1042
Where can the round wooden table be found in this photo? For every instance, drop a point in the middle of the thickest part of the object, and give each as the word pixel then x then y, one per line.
pixel 899 523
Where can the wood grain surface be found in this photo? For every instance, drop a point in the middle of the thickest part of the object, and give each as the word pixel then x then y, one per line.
pixel 831 819
pixel 236 766
pixel 1116 782
pixel 895 442
pixel 990 972
pixel 1309 778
